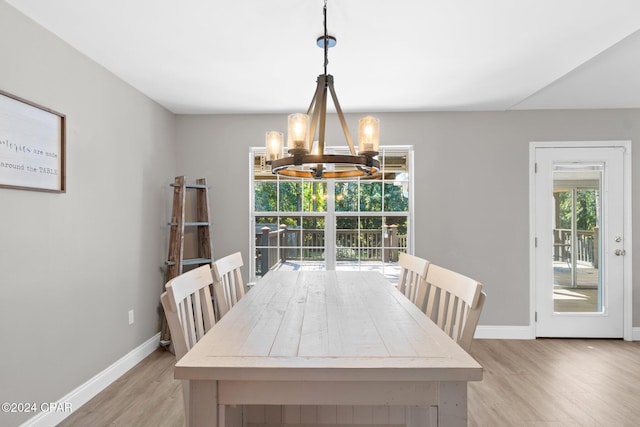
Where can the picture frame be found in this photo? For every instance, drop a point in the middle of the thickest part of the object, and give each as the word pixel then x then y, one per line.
pixel 32 146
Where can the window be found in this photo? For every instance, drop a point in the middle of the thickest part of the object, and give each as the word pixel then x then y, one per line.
pixel 332 224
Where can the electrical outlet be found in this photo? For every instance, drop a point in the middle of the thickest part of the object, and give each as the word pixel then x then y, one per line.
pixel 130 317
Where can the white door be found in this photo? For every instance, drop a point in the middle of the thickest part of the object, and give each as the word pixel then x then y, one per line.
pixel 579 241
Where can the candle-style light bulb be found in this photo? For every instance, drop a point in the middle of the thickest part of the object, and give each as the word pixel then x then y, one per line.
pixel 368 135
pixel 273 142
pixel 297 133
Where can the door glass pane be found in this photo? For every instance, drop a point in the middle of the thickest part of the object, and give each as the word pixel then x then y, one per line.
pixel 371 197
pixel 314 196
pixel 266 196
pixel 290 196
pixel 313 239
pixel 347 240
pixel 396 196
pixel 346 196
pixel 267 242
pixel 371 239
pixel 292 239
pixel 576 236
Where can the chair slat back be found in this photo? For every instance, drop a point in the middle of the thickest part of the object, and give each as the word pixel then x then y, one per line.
pixel 454 303
pixel 412 274
pixel 229 286
pixel 188 307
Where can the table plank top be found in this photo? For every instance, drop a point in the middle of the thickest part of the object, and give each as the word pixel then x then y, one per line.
pixel 327 325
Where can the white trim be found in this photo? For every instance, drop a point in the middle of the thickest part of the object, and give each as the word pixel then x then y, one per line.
pixel 85 392
pixel 412 202
pixel 629 333
pixel 504 332
pixel 532 234
pixel 628 267
pixel 521 333
pixel 252 218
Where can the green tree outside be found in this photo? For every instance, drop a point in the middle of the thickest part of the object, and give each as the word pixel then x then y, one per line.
pixel 586 209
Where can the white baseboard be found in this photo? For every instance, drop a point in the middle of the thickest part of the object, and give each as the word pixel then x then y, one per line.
pixel 81 395
pixel 521 333
pixel 504 332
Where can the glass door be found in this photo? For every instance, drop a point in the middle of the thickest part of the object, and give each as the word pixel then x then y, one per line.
pixel 579 219
pixel 576 238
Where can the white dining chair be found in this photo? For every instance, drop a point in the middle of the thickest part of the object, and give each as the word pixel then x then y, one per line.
pixel 454 302
pixel 229 286
pixel 412 274
pixel 188 306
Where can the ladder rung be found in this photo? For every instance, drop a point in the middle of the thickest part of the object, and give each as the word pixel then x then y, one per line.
pixel 191 261
pixel 190 224
pixel 190 185
pixel 194 261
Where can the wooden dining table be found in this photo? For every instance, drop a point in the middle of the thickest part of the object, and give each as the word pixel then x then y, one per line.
pixel 328 338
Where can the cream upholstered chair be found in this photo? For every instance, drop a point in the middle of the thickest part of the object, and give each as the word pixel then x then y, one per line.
pixel 454 302
pixel 229 287
pixel 188 307
pixel 412 273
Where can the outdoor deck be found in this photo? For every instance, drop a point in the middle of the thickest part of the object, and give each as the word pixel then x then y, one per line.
pixel 390 270
pixel 576 299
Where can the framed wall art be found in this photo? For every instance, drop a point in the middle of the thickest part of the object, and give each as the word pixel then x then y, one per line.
pixel 32 146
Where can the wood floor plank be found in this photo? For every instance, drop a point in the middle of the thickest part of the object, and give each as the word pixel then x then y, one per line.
pixel 556 382
pixel 147 395
pixel 543 382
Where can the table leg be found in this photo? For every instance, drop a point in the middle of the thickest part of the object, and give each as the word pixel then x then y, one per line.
pixel 422 416
pixel 452 404
pixel 203 404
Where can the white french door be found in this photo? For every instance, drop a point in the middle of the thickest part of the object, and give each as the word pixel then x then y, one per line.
pixel 580 240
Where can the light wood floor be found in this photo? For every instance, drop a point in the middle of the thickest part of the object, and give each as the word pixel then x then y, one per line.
pixel 544 382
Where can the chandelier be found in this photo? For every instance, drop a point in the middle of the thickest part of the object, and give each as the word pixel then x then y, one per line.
pixel 306 157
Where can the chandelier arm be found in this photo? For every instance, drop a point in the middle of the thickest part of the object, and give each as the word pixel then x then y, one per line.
pixel 343 122
pixel 323 120
pixel 321 131
pixel 320 94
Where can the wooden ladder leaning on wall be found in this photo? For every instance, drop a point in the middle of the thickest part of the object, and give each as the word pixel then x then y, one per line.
pixel 200 228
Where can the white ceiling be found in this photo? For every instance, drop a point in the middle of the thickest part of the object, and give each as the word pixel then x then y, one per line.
pixel 257 56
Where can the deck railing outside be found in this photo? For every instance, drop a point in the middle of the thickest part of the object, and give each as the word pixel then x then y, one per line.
pixel 276 246
pixel 586 246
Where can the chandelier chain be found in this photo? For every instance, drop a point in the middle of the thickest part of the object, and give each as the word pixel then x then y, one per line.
pixel 326 39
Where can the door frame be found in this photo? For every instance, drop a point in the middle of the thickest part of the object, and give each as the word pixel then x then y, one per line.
pixel 627 234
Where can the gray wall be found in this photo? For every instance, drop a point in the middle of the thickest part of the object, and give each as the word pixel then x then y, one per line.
pixel 72 265
pixel 471 185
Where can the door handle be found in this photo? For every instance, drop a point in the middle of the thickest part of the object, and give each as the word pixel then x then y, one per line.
pixel 620 252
